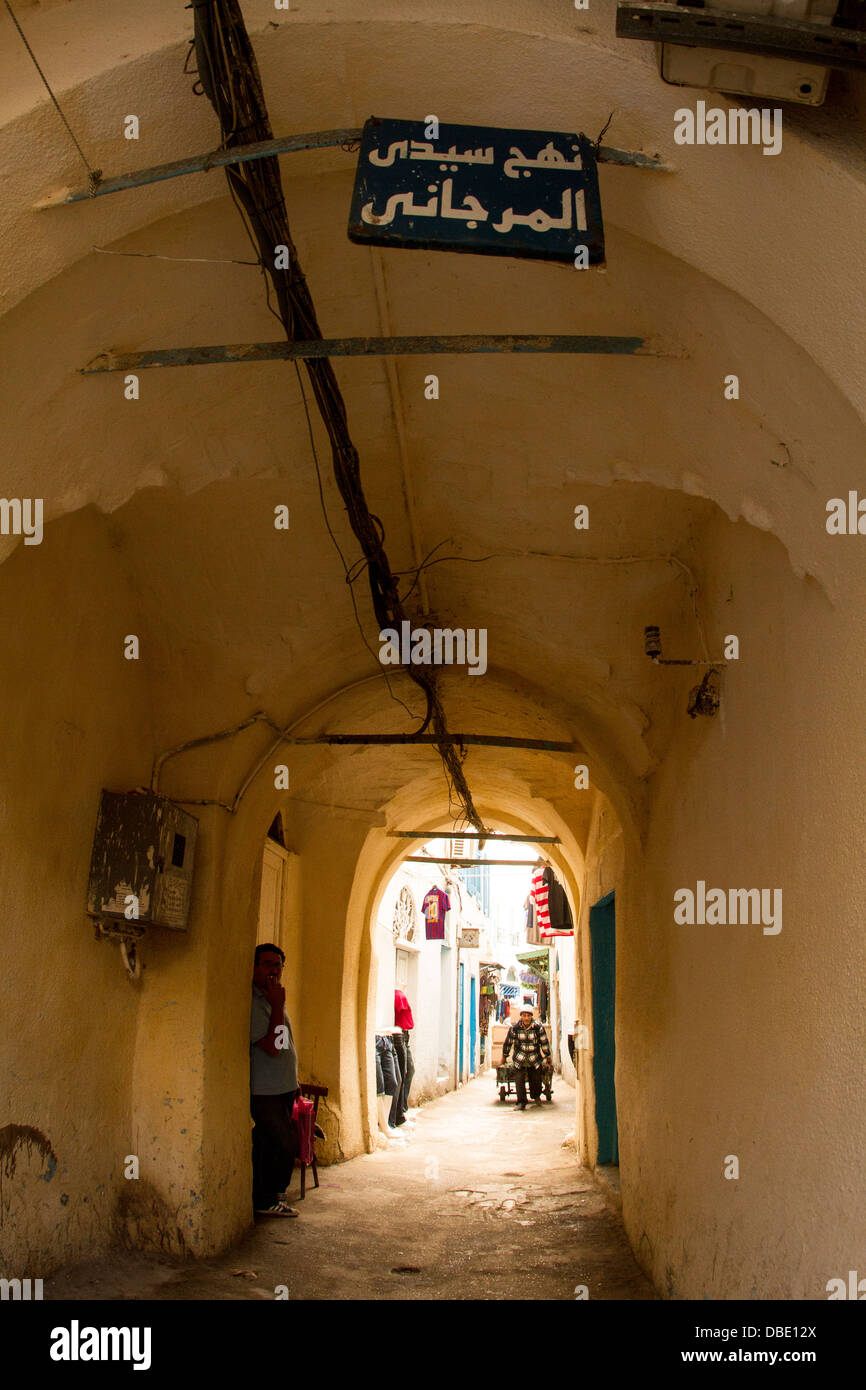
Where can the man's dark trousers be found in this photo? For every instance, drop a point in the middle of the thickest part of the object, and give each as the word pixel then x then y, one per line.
pixel 535 1075
pixel 275 1147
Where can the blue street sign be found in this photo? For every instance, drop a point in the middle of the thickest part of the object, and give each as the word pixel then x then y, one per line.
pixel 530 193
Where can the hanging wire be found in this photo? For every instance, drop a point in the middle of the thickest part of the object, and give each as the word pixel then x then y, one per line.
pixel 350 577
pixel 155 256
pixel 94 175
pixel 229 73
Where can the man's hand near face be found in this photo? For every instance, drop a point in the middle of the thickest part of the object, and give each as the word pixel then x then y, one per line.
pixel 276 996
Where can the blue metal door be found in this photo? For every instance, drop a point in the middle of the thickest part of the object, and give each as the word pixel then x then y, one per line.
pixel 460 1025
pixel 473 1025
pixel 602 942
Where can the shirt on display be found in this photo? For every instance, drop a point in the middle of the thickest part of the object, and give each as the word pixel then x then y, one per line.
pixel 434 907
pixel 533 936
pixel 402 1012
pixel 538 893
pixel 559 920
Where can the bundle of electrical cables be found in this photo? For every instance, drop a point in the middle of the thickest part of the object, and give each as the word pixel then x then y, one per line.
pixel 229 77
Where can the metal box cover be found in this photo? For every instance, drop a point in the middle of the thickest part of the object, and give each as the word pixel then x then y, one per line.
pixel 751 74
pixel 744 74
pixel 144 846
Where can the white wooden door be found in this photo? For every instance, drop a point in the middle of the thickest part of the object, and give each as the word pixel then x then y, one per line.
pixel 274 861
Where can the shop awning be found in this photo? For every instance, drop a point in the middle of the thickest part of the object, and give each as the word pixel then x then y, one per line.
pixel 537 960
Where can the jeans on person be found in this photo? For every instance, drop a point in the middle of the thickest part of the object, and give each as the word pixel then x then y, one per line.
pixel 275 1147
pixel 535 1076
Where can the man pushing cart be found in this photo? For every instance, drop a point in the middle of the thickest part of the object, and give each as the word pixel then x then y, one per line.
pixel 525 1057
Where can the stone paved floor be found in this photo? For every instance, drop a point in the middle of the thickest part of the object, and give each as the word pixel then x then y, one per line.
pixel 483 1202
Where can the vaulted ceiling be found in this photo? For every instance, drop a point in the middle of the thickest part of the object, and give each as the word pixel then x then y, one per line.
pixel 732 263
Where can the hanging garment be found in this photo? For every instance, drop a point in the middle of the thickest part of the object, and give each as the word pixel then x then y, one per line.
pixel 392 1074
pixel 543 999
pixel 388 1062
pixel 559 921
pixel 538 893
pixel 408 1074
pixel 400 1044
pixel 395 1115
pixel 402 1012
pixel 434 907
pixel 533 935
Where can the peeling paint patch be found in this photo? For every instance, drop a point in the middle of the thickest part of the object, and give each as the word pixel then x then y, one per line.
pixel 14 1138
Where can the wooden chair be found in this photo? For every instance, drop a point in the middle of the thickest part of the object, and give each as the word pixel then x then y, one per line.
pixel 313 1093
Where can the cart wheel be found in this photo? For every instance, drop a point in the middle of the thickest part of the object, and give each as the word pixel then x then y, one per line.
pixel 501 1092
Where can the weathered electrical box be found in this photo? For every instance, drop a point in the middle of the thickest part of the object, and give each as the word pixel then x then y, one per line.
pixel 143 854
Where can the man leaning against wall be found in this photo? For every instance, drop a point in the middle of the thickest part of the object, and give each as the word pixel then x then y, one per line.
pixel 273 1086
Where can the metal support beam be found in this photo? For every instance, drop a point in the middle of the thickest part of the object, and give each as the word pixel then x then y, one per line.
pixel 743 33
pixel 263 149
pixel 467 740
pixel 473 835
pixel 464 863
pixel 201 163
pixel 608 155
pixel 221 354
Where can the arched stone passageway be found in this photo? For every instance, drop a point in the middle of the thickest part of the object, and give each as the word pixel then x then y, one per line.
pixel 706 518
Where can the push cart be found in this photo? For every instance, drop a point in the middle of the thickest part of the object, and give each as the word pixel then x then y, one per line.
pixel 505 1080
